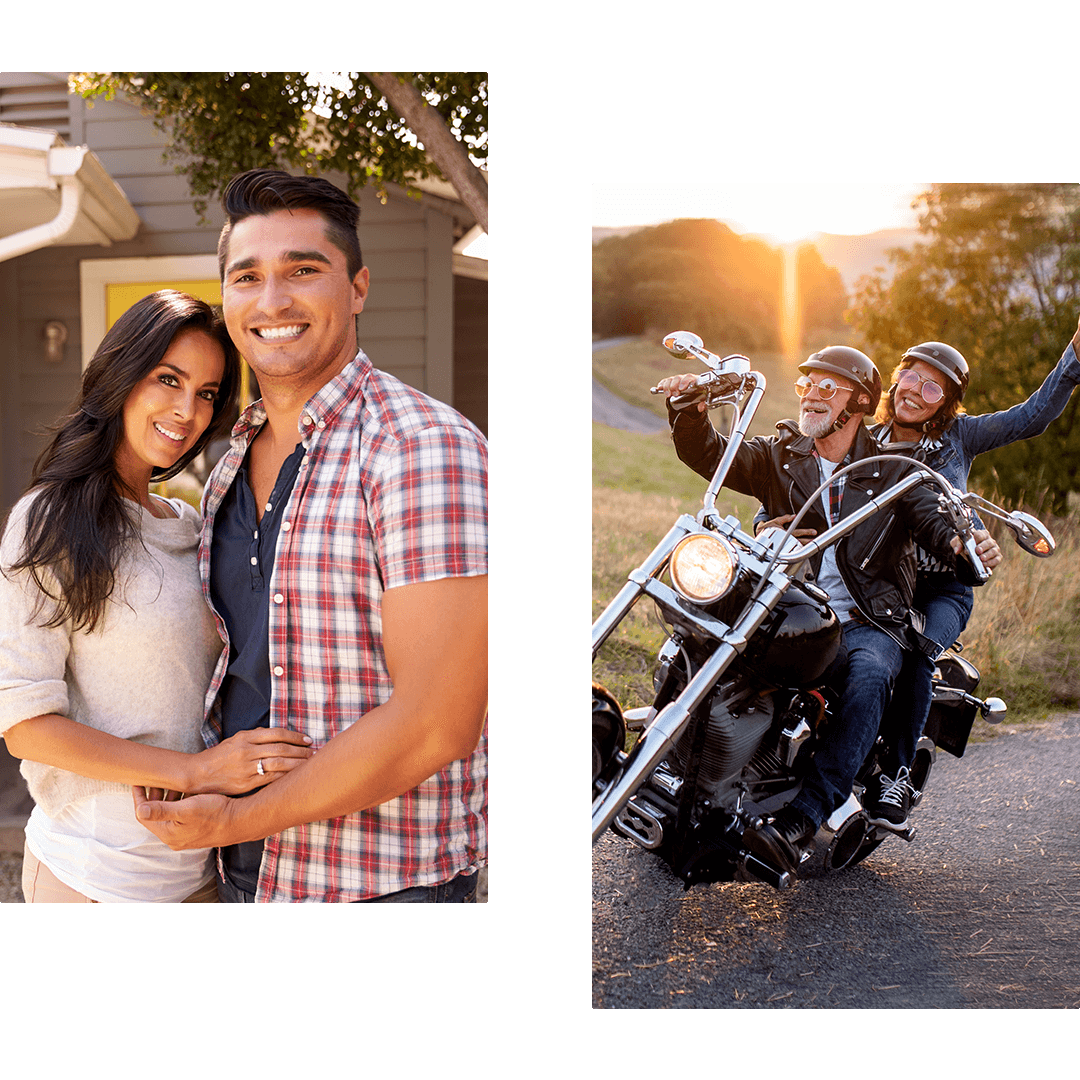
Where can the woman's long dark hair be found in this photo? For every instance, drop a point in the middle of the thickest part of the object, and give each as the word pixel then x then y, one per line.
pixel 79 524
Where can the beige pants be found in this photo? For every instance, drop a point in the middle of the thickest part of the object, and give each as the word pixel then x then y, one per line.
pixel 41 886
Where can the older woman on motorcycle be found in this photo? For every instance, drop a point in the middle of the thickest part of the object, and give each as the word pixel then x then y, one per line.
pixel 922 415
pixel 869 578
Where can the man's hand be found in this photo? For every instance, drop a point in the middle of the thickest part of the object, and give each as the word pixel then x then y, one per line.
pixel 988 549
pixel 199 821
pixel 986 546
pixel 677 384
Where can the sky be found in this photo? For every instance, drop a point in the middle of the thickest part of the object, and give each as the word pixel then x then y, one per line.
pixel 783 212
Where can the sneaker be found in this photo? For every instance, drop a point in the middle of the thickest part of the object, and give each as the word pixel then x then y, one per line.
pixel 889 800
pixel 782 841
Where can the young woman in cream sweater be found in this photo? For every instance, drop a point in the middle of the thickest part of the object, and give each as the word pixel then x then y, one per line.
pixel 107 647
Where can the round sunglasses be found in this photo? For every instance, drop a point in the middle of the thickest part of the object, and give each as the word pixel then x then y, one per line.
pixel 826 388
pixel 929 390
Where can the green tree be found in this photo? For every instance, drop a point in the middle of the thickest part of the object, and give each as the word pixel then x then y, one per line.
pixel 995 273
pixel 699 275
pixel 375 127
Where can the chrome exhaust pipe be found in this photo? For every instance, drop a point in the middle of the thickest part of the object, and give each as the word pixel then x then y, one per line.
pixel 842 834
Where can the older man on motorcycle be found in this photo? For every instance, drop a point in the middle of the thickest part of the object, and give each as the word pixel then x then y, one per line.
pixel 869 577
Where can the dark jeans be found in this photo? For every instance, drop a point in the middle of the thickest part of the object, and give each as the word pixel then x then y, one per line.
pixel 458 890
pixel 873 661
pixel 947 607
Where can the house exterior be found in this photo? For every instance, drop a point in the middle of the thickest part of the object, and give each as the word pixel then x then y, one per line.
pixel 92 218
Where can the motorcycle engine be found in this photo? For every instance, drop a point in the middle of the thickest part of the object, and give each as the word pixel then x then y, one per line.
pixel 735 729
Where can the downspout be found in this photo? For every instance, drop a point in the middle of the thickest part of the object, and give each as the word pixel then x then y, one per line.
pixel 71 193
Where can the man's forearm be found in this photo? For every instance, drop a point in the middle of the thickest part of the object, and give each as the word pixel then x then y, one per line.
pixel 382 756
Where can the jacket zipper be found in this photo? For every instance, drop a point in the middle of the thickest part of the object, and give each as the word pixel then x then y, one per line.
pixel 877 543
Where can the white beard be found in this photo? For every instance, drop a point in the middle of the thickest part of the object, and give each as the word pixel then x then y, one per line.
pixel 815 425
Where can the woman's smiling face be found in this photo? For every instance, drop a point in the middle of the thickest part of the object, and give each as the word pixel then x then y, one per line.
pixel 169 409
pixel 910 407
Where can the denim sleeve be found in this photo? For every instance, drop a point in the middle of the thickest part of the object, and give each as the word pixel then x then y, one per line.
pixel 980 434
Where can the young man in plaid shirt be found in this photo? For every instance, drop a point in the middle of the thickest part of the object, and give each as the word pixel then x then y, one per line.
pixel 344 553
pixel 869 577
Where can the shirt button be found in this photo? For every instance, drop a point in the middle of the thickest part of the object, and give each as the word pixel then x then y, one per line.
pixel 279 670
pixel 279 599
pixel 254 560
pixel 286 526
pixel 307 420
pixel 269 506
pixel 321 424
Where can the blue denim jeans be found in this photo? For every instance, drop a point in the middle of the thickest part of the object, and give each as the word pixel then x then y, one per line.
pixel 458 890
pixel 947 608
pixel 866 671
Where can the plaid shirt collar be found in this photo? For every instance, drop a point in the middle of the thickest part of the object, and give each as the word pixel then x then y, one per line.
pixel 318 413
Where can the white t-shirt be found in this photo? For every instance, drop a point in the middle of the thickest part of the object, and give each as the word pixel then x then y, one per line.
pixel 829 577
pixel 97 847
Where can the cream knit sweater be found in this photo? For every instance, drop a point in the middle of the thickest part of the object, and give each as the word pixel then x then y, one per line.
pixel 142 675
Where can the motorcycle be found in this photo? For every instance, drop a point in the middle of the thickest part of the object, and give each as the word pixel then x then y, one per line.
pixel 740 702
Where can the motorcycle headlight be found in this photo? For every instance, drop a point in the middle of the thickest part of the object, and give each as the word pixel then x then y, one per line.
pixel 703 567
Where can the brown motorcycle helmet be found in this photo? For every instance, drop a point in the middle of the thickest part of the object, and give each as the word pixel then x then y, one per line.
pixel 945 358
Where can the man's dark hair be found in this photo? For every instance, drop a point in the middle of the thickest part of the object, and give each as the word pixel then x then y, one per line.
pixel 263 191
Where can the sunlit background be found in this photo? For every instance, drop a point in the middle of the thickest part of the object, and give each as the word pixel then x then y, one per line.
pixel 783 214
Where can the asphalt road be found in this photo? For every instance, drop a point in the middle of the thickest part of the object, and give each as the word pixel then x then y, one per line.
pixel 611 410
pixel 980 910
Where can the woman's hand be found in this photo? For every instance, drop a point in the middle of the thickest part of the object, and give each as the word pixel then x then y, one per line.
pixel 782 522
pixel 232 767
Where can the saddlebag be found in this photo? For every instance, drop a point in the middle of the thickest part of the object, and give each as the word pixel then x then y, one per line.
pixel 950 719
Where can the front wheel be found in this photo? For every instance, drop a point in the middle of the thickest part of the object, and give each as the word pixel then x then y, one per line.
pixel 608 734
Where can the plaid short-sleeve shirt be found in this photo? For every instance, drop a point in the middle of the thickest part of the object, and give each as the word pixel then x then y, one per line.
pixel 392 491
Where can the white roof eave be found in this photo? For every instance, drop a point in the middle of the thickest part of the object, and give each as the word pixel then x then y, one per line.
pixel 56 194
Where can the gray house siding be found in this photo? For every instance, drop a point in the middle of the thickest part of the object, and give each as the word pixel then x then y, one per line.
pixel 407 328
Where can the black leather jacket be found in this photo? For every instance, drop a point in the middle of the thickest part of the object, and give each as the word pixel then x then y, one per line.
pixel 876 560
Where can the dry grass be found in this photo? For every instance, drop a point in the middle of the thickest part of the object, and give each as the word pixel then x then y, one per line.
pixel 1024 634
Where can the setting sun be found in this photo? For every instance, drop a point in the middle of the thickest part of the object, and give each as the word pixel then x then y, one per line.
pixel 782 213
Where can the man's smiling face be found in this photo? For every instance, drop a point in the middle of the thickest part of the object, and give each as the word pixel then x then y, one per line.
pixel 817 416
pixel 288 300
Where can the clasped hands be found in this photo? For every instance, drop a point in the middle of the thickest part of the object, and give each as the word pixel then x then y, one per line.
pixel 200 817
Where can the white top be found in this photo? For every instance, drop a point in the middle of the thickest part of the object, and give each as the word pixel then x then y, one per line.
pixel 142 675
pixel 829 577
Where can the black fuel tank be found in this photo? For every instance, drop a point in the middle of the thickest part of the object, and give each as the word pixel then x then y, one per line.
pixel 797 643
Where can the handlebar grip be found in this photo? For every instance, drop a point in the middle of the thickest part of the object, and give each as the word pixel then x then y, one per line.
pixel 693 395
pixel 971 548
pixel 686 398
